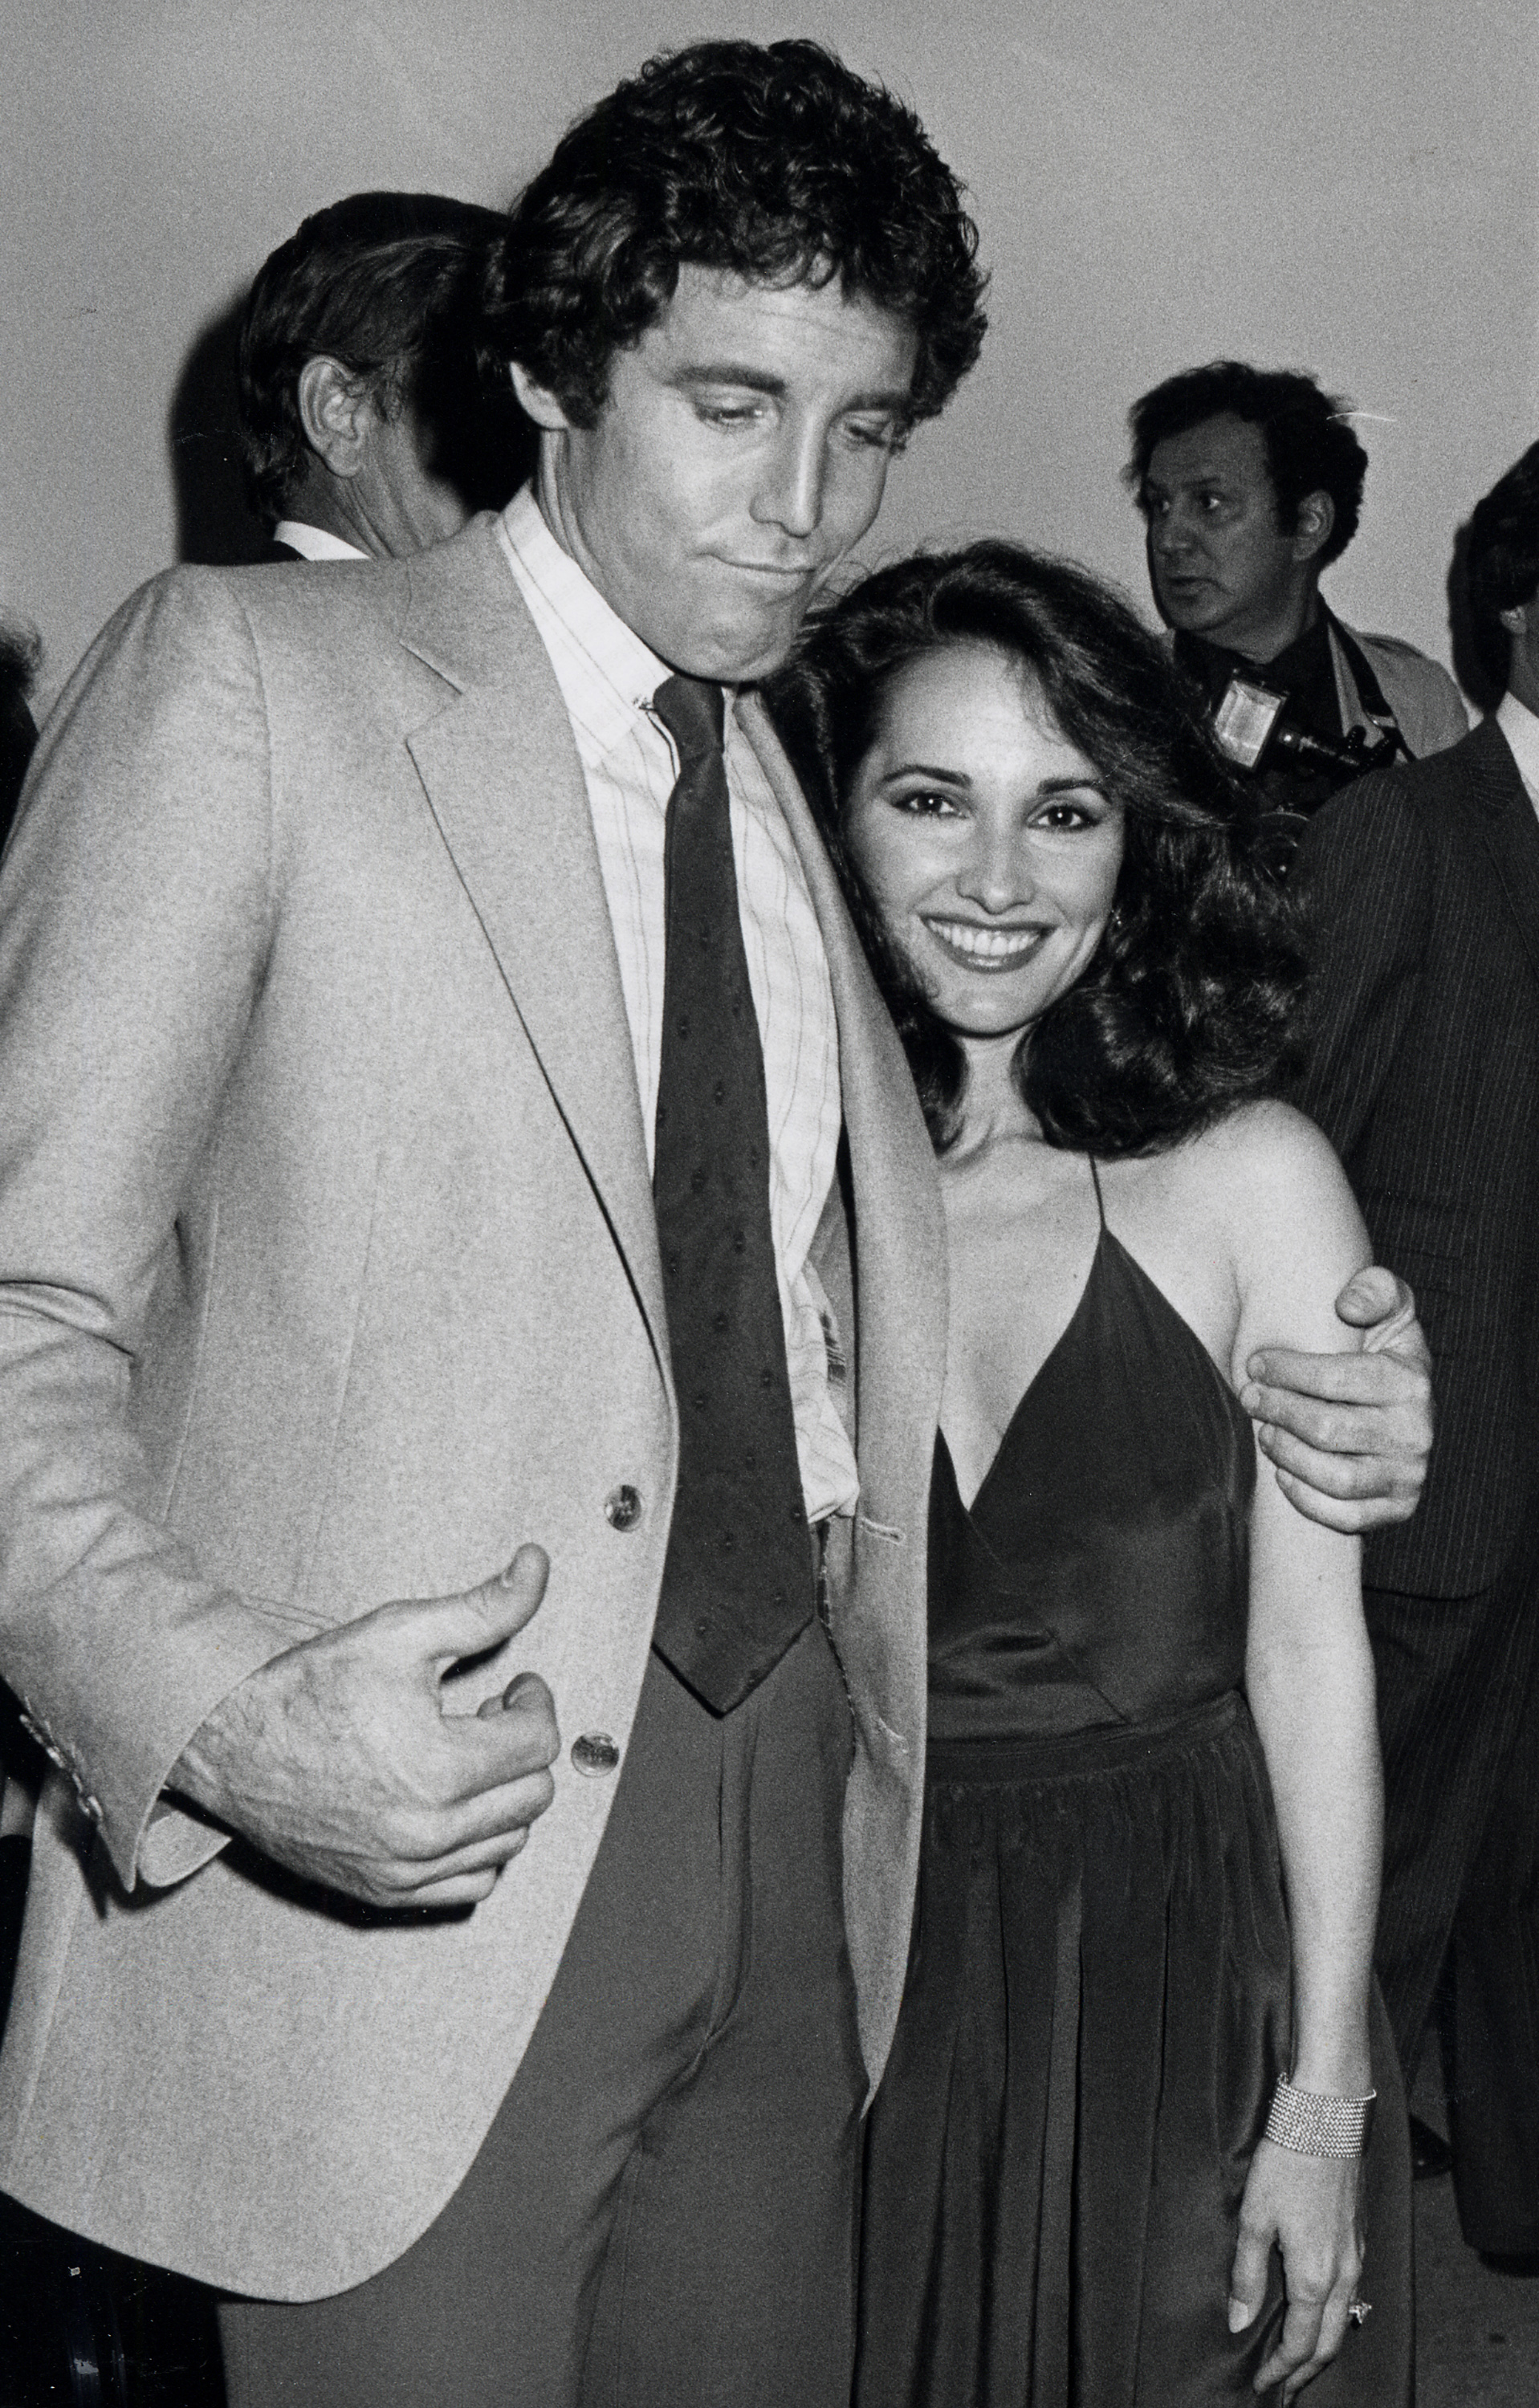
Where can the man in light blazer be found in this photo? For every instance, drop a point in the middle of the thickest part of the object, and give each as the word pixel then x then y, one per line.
pixel 439 1938
pixel 1424 889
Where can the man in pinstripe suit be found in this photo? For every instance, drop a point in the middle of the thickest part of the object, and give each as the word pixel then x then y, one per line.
pixel 1423 884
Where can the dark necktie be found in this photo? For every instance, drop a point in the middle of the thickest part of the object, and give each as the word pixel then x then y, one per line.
pixel 737 1585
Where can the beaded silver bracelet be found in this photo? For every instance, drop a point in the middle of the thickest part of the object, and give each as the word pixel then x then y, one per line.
pixel 1319 2123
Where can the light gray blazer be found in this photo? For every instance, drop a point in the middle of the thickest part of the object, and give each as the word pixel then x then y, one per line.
pixel 1427 707
pixel 329 1275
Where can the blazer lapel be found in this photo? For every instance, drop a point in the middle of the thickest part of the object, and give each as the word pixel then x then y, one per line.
pixel 1510 828
pixel 505 785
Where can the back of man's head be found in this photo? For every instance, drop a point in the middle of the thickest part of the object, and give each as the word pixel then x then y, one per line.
pixel 1310 445
pixel 775 163
pixel 1502 555
pixel 388 284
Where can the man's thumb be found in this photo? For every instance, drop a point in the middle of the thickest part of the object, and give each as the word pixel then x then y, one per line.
pixel 516 1594
pixel 1373 1296
pixel 485 1617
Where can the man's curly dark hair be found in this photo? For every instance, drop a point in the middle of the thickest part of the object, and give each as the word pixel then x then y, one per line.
pixel 1310 445
pixel 1194 999
pixel 774 161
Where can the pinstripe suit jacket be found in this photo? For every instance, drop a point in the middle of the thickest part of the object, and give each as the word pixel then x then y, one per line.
pixel 1422 885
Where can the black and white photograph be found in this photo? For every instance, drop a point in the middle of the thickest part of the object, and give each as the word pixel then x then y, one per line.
pixel 768 1204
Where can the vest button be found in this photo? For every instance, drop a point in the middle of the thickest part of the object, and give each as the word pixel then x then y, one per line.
pixel 595 1753
pixel 622 1506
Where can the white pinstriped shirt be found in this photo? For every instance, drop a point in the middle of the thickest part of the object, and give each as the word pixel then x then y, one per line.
pixel 608 677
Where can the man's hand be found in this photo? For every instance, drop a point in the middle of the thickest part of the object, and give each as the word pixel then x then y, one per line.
pixel 339 1760
pixel 1350 1434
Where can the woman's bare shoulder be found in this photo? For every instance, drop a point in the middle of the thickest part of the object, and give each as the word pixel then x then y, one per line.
pixel 1269 1194
pixel 1263 1155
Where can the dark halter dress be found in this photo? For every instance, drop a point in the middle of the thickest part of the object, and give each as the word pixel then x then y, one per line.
pixel 1098 2003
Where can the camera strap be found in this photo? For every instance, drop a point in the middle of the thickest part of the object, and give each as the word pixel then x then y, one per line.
pixel 1370 698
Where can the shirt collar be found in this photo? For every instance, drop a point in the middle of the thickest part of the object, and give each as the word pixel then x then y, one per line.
pixel 606 675
pixel 313 542
pixel 1520 726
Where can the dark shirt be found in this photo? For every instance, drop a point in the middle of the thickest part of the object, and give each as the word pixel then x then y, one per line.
pixel 1305 672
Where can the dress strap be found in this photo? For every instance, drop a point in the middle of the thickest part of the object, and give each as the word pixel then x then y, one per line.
pixel 1095 1177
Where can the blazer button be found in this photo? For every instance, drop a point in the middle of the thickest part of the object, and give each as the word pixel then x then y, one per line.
pixel 622 1511
pixel 595 1753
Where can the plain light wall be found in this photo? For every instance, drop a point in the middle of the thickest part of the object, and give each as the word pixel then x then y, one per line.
pixel 1324 183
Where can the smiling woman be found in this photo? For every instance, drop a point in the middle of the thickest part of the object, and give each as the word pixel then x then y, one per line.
pixel 995 868
pixel 1138 2043
pixel 1065 740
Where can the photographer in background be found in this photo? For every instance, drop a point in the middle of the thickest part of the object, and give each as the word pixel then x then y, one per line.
pixel 1250 481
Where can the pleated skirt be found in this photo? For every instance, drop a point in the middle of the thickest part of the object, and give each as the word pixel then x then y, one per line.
pixel 1095 2015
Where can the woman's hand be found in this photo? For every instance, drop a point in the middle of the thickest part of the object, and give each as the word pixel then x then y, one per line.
pixel 1308 2207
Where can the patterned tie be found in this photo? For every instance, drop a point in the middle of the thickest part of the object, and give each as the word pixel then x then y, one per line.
pixel 737 1585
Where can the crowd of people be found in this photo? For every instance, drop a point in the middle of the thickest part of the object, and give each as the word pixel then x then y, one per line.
pixel 743 1668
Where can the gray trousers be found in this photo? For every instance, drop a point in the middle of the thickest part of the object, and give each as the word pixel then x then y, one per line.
pixel 662 2215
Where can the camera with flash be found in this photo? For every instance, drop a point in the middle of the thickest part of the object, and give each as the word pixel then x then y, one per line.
pixel 1249 727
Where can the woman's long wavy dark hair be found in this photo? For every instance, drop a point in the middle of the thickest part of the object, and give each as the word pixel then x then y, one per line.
pixel 1194 999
